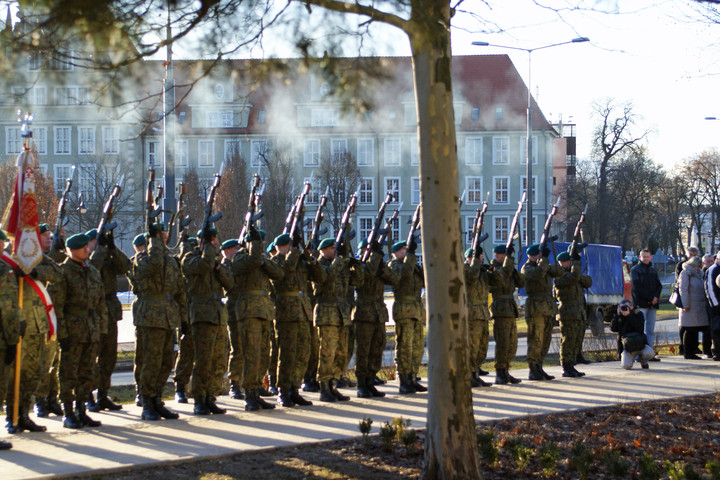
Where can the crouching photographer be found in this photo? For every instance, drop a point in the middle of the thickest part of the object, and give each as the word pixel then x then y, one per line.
pixel 629 323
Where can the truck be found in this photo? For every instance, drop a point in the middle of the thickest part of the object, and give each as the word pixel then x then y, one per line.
pixel 611 281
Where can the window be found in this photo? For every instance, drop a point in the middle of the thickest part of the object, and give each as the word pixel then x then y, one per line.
pixel 523 187
pixel 366 190
pixel 40 139
pixel 414 153
pixel 338 147
pixel 13 141
pixel 152 153
pixel 392 152
pixel 501 190
pixel 500 232
pixel 523 230
pixel 474 190
pixel 219 119
pixel 311 153
pixel 86 140
pixel 206 153
pixel 415 190
pixel 325 117
pixel 63 140
pixel 469 224
pixel 395 230
pixel 261 116
pixel 314 193
pixel 365 152
pixel 35 63
pixel 30 96
pixel 498 113
pixel 473 151
pixel 475 114
pixel 181 153
pixel 533 150
pixel 86 181
pixel 233 149
pixel 61 172
pixel 258 152
pixel 72 95
pixel 38 61
pixel 500 151
pixel 366 224
pixel 392 186
pixel 111 140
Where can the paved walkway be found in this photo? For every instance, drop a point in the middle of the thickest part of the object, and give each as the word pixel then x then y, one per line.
pixel 125 441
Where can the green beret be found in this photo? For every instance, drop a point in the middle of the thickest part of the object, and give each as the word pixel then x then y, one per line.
pixel 270 247
pixel 327 242
pixel 533 250
pixel 362 243
pixel 139 240
pixel 282 240
pixel 159 226
pixel 79 240
pixel 499 249
pixel 397 246
pixel 212 230
pixel 91 234
pixel 2 235
pixel 44 227
pixel 232 243
pixel 562 257
pixel 469 252
pixel 193 241
pixel 480 249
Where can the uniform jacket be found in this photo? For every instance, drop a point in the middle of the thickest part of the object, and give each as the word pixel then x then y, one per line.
pixel 205 279
pixel 476 280
pixel 9 318
pixel 330 307
pixel 292 299
pixel 645 285
pixel 253 274
pixel 408 288
pixel 538 287
pixel 503 281
pixel 570 292
pixel 111 263
pixel 692 293
pixel 372 278
pixel 33 312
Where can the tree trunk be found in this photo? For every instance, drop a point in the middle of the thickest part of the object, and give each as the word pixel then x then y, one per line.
pixel 450 442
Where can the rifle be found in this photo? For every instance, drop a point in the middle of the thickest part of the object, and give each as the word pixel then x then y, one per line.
pixel 106 223
pixel 386 234
pixel 296 227
pixel 345 221
pixel 250 216
pixel 180 217
pixel 316 231
pixel 151 208
pixel 376 226
pixel 62 220
pixel 577 244
pixel 414 223
pixel 513 226
pixel 478 235
pixel 548 223
pixel 209 217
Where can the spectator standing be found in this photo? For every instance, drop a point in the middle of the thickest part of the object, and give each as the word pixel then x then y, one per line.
pixel 692 252
pixel 693 315
pixel 646 288
pixel 712 292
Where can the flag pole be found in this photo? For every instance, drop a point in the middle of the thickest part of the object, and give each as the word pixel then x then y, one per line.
pixel 18 361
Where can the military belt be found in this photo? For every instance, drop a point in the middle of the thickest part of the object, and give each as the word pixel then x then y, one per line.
pixel 158 296
pixel 78 312
pixel 409 299
pixel 367 298
pixel 261 293
pixel 291 294
pixel 498 297
pixel 330 299
pixel 538 296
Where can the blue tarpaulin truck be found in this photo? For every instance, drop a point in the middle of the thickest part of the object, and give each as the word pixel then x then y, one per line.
pixel 604 263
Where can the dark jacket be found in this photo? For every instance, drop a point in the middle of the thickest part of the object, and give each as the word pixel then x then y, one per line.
pixel 635 322
pixel 645 285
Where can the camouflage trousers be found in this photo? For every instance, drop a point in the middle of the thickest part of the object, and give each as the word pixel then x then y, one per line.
pixel 333 347
pixel 314 358
pixel 77 371
pixel 371 340
pixel 107 357
pixel 505 333
pixel 5 373
pixel 294 350
pixel 33 359
pixel 409 345
pixel 572 333
pixel 236 354
pixel 539 336
pixel 274 349
pixel 220 363
pixel 49 385
pixel 255 334
pixel 350 332
pixel 137 358
pixel 157 359
pixel 209 341
pixel 185 359
pixel 479 335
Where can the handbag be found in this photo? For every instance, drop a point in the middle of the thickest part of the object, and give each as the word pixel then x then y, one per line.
pixel 675 298
pixel 633 342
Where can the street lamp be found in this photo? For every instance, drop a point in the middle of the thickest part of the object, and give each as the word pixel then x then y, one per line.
pixel 528 138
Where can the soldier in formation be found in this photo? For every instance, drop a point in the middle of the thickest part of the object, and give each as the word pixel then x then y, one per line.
pixel 476 279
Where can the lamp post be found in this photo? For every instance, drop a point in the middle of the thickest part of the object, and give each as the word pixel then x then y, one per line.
pixel 528 131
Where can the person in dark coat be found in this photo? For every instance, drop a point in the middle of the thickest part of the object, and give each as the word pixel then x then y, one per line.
pixel 646 288
pixel 627 320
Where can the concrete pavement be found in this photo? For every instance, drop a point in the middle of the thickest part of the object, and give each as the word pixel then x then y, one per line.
pixel 124 441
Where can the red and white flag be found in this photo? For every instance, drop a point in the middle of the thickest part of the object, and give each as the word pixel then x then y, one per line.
pixel 20 221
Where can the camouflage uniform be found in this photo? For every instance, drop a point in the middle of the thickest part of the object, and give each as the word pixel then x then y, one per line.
pixel 9 321
pixel 48 387
pixel 540 307
pixel 476 280
pixel 236 356
pixel 504 311
pixel 186 356
pixel 206 279
pixel 111 262
pixel 409 315
pixel 137 361
pixel 569 290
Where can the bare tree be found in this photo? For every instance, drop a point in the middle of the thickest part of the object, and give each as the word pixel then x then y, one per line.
pixel 232 195
pixel 340 176
pixel 195 196
pixel 278 172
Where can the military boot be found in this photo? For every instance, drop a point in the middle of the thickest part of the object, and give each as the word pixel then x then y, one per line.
pixel 138 396
pixel 482 372
pixel 378 381
pixel 200 407
pixel 569 371
pixel 235 391
pixel 326 395
pixel 162 410
pixel 545 375
pixel 310 383
pixel 149 412
pixel 26 424
pixel 41 407
pixel 273 384
pixel 180 395
pixel 363 389
pixel 582 360
pixel 105 403
pixel 83 417
pixel 54 406
pixel 474 379
pixel 264 392
pixel 406 384
pixel 213 407
pixel 264 404
pixel 512 379
pixel 91 404
pixel 483 383
pixel 578 372
pixel 251 403
pixel 5 445
pixel 417 385
pixel 285 398
pixel 298 399
pixel 370 382
pixel 501 376
pixel 12 428
pixel 70 420
pixel 336 392
pixel 535 373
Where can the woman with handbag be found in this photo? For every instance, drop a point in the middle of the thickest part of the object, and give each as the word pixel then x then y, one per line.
pixel 629 323
pixel 693 315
